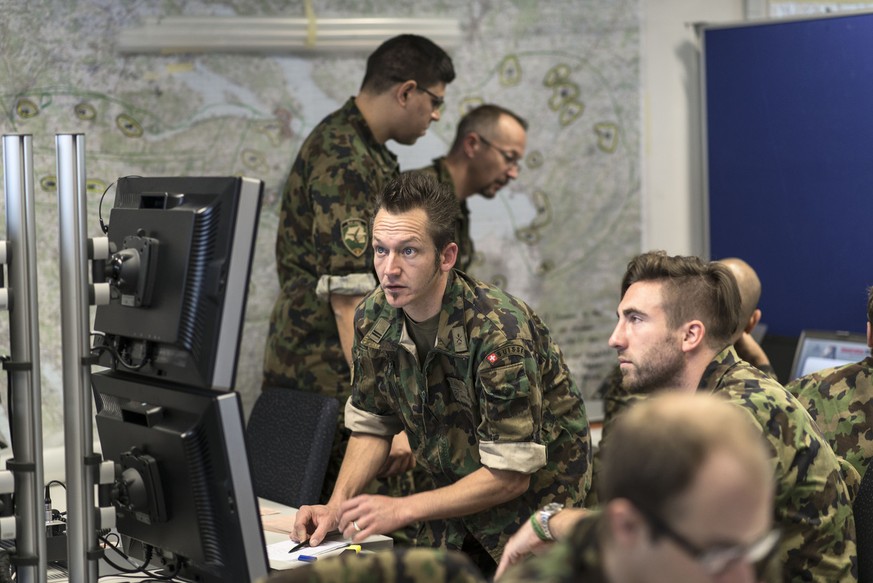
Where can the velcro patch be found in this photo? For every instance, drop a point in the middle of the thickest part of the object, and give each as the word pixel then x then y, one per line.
pixel 354 232
pixel 459 339
pixel 498 355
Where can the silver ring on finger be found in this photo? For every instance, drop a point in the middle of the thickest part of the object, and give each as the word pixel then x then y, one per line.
pixel 355 524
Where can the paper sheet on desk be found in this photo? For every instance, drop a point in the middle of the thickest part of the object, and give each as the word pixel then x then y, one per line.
pixel 279 551
pixel 281 523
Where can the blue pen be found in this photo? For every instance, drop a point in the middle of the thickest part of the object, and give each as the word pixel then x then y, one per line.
pixel 307 558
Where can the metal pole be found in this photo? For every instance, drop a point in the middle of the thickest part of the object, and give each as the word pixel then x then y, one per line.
pixel 81 461
pixel 26 396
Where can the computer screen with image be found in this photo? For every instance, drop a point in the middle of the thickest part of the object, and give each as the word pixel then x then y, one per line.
pixel 819 349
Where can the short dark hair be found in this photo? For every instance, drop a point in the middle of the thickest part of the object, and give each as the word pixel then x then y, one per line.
pixel 407 57
pixel 482 119
pixel 414 190
pixel 694 290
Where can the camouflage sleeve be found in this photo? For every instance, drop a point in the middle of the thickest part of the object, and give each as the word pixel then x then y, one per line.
pixel 342 201
pixel 355 284
pixel 367 380
pixel 813 505
pixel 366 422
pixel 399 565
pixel 840 400
pixel 511 409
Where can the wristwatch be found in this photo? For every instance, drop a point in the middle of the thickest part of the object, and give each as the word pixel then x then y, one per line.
pixel 545 514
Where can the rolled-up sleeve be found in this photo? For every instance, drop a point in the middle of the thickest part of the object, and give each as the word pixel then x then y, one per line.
pixel 366 422
pixel 355 284
pixel 518 457
pixel 510 431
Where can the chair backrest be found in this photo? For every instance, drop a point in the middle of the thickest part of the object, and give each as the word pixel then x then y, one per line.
pixel 862 508
pixel 289 436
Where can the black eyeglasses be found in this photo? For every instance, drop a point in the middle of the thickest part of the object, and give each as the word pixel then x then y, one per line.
pixel 436 102
pixel 716 559
pixel 510 158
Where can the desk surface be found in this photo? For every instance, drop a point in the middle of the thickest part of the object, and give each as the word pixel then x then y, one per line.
pixel 373 543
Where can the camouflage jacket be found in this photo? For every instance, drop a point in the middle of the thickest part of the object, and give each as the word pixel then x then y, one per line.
pixel 322 247
pixel 462 223
pixel 575 558
pixel 617 398
pixel 398 565
pixel 494 392
pixel 813 503
pixel 840 399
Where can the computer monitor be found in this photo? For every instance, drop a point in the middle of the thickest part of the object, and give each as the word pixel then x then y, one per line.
pixel 179 271
pixel 183 492
pixel 817 350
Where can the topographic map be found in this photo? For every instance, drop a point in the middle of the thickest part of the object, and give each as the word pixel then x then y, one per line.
pixel 559 237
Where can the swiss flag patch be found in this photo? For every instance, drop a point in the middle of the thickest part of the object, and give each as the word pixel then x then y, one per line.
pixel 492 358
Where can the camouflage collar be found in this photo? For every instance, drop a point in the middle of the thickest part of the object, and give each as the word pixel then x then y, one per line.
pixel 715 371
pixel 388 332
pixel 379 152
pixel 452 335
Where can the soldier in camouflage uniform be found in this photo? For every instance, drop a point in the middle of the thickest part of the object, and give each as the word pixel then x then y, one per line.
pixel 484 157
pixel 473 377
pixel 840 399
pixel 322 246
pixel 617 397
pixel 400 565
pixel 688 496
pixel 676 319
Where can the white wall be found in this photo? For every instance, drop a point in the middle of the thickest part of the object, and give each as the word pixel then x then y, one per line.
pixel 672 196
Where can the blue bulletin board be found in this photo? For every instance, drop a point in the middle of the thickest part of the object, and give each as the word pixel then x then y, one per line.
pixel 788 117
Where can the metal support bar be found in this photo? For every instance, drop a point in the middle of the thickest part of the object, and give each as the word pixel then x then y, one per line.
pixel 82 549
pixel 26 395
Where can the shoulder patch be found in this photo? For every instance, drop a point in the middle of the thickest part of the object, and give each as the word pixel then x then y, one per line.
pixel 374 336
pixel 355 238
pixel 459 339
pixel 498 355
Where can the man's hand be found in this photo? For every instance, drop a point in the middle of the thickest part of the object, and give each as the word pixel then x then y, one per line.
pixel 750 351
pixel 525 541
pixel 365 515
pixel 400 458
pixel 520 545
pixel 313 523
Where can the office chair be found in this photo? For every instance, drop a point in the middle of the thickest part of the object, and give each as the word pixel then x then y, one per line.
pixel 289 437
pixel 862 508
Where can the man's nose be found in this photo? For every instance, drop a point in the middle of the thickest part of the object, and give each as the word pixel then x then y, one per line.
pixel 616 339
pixel 392 266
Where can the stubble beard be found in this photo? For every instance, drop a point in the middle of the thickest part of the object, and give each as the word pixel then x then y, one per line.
pixel 659 371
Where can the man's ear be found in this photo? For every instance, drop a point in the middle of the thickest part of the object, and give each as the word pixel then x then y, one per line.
pixel 627 527
pixel 869 335
pixel 402 91
pixel 449 256
pixel 693 333
pixel 753 321
pixel 470 144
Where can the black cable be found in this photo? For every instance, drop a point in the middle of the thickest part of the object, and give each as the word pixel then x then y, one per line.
pixel 103 226
pixel 159 577
pixel 118 358
pixel 126 570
